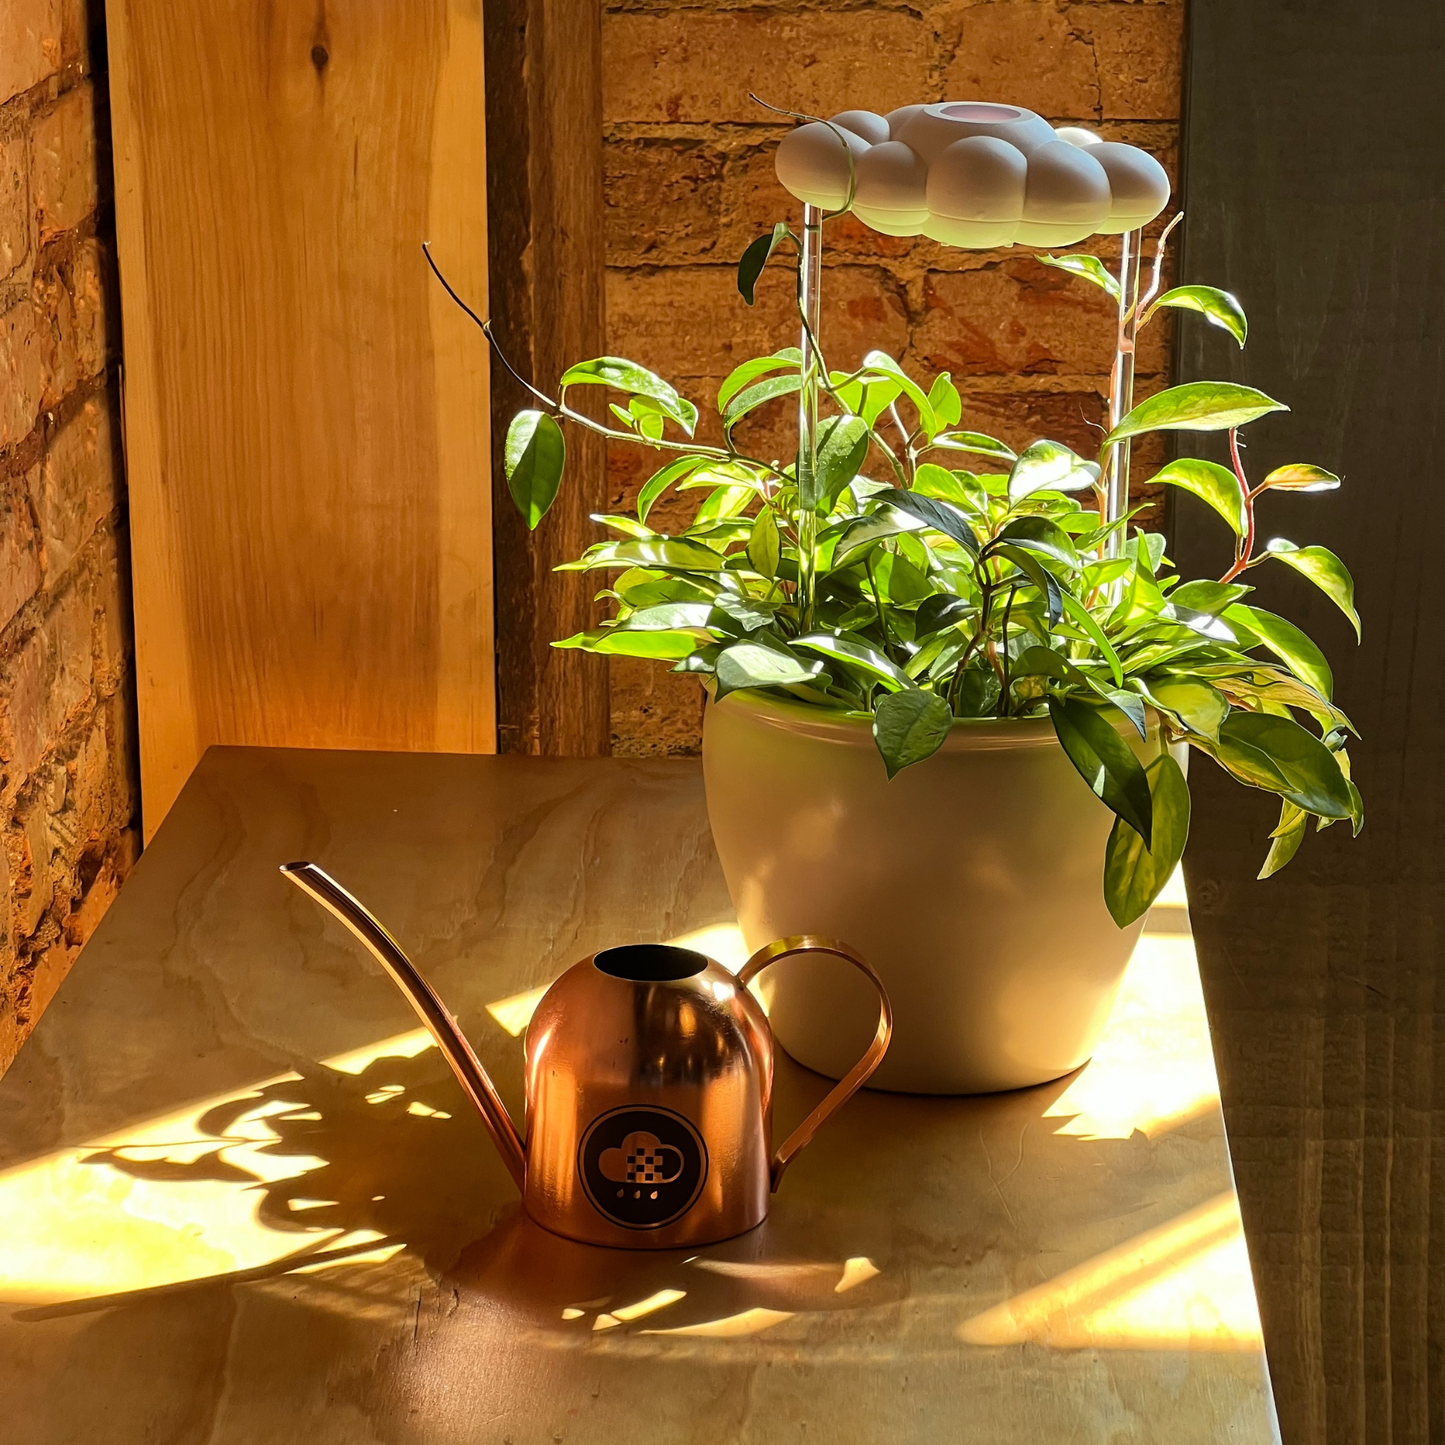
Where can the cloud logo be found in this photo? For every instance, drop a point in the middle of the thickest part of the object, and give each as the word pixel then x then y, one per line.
pixel 641 1158
pixel 973 174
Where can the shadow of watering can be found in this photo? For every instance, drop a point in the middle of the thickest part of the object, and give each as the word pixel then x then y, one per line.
pixel 649 1083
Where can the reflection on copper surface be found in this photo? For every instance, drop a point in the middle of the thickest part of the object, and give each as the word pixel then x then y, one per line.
pixel 1184 1285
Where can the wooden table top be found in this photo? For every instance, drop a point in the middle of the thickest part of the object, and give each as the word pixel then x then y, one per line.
pixel 244 1200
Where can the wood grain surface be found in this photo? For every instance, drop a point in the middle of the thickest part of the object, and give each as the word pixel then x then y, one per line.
pixel 306 412
pixel 544 188
pixel 1314 176
pixel 245 1201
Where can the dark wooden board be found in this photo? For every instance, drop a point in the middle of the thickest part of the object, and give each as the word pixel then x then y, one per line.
pixel 1314 171
pixel 546 255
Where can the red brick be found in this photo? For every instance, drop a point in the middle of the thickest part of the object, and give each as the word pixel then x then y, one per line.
pixel 22 372
pixel 30 44
pixel 1026 52
pixel 699 65
pixel 78 483
pixel 661 198
pixel 689 322
pixel 1015 318
pixel 19 550
pixel 109 590
pixel 33 886
pixel 1139 51
pixel 14 206
pixel 51 678
pixel 63 176
pixel 655 712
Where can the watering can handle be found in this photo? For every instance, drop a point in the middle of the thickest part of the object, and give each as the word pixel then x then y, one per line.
pixel 858 1075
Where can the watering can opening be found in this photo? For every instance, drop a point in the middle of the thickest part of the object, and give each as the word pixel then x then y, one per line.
pixel 650 962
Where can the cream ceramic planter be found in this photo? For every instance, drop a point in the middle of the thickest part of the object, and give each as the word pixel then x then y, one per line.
pixel 972 883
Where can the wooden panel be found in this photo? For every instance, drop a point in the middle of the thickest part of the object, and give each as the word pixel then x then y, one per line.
pixel 307 413
pixel 245 1201
pixel 1314 172
pixel 544 116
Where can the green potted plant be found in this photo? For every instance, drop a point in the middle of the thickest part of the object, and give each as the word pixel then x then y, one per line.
pixel 953 688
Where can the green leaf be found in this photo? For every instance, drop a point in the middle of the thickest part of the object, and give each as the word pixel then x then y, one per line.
pixel 667 617
pixel 842 445
pixel 938 612
pixel 1206 596
pixel 759 393
pixel 764 547
pixel 1196 406
pixel 1219 307
pixel 1128 703
pixel 1324 569
pixel 1290 645
pixel 1286 838
pixel 1045 581
pixel 1278 754
pixel 1084 619
pixel 623 375
pixel 733 611
pixel 931 480
pixel 857 657
pixel 1039 534
pixel 1134 876
pixel 1210 483
pixel 1091 268
pixel 976 442
pixel 758 366
pixel 1300 477
pixel 533 460
pixel 750 267
pixel 751 664
pixel 661 480
pixel 617 642
pixel 1045 662
pixel 670 553
pixel 725 503
pixel 859 532
pixel 943 397
pixel 909 726
pixel 937 515
pixel 1200 707
pixel 1105 761
pixel 1046 465
pixel 881 361
pixel 628 526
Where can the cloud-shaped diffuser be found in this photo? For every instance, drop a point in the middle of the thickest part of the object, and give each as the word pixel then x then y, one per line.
pixel 973 174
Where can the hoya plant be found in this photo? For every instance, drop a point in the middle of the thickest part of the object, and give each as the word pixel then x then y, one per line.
pixel 903 568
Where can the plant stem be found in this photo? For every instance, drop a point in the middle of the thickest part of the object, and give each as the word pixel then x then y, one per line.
pixel 877 599
pixel 1244 548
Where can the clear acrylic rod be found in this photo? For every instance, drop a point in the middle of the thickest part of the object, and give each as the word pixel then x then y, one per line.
pixel 1121 383
pixel 810 286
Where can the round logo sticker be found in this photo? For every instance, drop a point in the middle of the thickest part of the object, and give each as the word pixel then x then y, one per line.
pixel 642 1167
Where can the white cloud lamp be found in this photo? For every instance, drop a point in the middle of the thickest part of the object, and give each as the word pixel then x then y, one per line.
pixel 973 174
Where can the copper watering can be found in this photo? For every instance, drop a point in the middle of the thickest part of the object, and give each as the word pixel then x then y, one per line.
pixel 649 1084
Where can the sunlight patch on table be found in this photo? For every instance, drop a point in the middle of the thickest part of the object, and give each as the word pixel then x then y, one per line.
pixel 1185 1286
pixel 1154 1068
pixel 168 1200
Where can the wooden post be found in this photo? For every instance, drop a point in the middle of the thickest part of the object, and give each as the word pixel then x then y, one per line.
pixel 544 189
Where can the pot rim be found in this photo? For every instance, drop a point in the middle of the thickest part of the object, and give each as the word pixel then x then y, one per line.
pixel 855 729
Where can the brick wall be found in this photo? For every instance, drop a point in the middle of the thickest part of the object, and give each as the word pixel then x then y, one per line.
pixel 690 182
pixel 68 807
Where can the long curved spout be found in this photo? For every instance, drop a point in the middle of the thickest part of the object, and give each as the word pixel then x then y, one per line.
pixel 320 886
